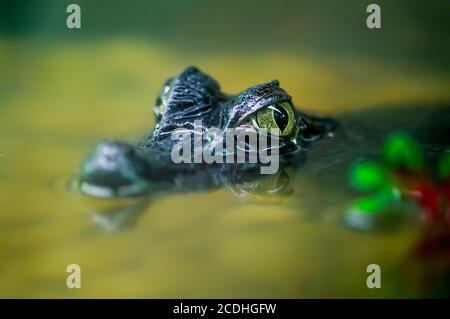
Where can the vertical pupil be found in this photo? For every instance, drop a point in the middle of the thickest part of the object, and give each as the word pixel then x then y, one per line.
pixel 281 117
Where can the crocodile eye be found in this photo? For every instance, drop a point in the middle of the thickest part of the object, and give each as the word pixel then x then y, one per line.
pixel 278 116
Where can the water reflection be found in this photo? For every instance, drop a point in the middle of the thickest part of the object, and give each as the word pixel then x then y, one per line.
pixel 322 180
pixel 249 186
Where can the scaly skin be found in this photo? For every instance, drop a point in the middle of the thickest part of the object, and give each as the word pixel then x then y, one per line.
pixel 116 169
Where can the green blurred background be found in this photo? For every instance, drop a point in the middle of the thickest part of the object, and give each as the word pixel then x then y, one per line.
pixel 412 31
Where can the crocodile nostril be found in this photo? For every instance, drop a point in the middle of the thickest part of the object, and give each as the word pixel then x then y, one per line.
pixel 113 169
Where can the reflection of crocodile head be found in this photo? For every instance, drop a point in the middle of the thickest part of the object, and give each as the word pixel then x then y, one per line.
pixel 115 169
pixel 248 186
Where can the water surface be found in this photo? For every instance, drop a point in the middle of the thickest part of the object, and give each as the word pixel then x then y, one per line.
pixel 58 101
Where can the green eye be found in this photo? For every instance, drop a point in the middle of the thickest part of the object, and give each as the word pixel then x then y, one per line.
pixel 278 116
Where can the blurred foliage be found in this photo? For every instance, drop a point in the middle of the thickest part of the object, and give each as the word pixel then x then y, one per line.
pixel 444 166
pixel 400 150
pixel 368 176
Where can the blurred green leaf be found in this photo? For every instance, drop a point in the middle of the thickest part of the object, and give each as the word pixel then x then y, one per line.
pixel 401 151
pixel 368 176
pixel 369 205
pixel 444 166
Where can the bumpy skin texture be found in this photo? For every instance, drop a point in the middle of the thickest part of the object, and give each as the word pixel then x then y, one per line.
pixel 193 95
pixel 119 169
